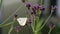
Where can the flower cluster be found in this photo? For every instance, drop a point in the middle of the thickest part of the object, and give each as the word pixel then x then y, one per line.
pixel 34 9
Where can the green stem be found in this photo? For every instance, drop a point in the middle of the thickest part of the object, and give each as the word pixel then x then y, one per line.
pixel 49 31
pixel 12 25
pixel 32 25
pixel 11 16
pixel 34 22
pixel 17 32
pixel 0 3
pixel 10 29
pixel 40 2
pixel 46 21
pixel 35 32
pixel 6 24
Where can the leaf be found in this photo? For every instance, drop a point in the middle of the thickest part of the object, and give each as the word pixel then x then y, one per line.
pixel 39 23
pixel 2 25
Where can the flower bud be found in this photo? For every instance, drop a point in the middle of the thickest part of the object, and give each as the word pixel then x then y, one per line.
pixel 42 7
pixel 29 20
pixel 15 15
pixel 36 6
pixel 33 9
pixel 51 26
pixel 53 7
pixel 28 5
pixel 17 28
pixel 33 12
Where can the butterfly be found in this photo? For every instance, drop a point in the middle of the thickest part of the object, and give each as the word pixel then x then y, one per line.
pixel 22 20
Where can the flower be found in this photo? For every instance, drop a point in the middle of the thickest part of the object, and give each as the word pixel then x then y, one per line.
pixel 17 28
pixel 28 5
pixel 42 7
pixel 29 20
pixel 36 6
pixel 51 26
pixel 33 9
pixel 54 7
pixel 15 15
pixel 33 12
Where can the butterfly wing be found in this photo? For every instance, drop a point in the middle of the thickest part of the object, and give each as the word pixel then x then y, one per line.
pixel 22 21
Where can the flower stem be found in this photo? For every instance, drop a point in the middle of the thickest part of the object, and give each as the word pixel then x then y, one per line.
pixel 40 2
pixel 17 32
pixel 34 22
pixel 35 32
pixel 12 25
pixel 49 31
pixel 11 16
pixel 46 20
pixel 10 29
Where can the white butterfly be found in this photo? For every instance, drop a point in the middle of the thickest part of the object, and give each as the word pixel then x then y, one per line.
pixel 22 21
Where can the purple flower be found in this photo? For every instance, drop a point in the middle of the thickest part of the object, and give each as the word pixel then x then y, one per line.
pixel 51 26
pixel 17 28
pixel 53 7
pixel 36 6
pixel 29 20
pixel 42 7
pixel 33 9
pixel 33 12
pixel 28 5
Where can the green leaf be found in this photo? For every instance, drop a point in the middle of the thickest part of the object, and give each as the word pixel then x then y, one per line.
pixel 39 23
pixel 10 30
